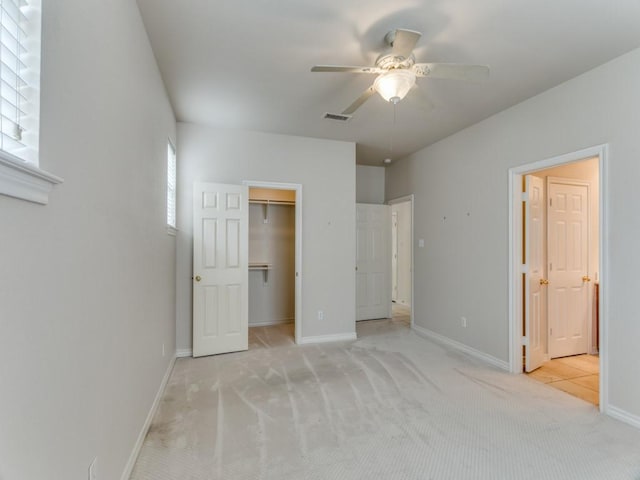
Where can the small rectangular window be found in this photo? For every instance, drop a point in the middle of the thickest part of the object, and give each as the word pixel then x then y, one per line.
pixel 171 185
pixel 20 79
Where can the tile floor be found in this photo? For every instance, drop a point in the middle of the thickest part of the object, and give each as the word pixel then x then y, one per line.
pixel 577 375
pixel 401 314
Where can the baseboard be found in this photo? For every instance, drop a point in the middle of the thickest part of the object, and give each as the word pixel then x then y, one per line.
pixel 623 416
pixel 147 423
pixel 336 337
pixel 490 359
pixel 284 321
pixel 184 352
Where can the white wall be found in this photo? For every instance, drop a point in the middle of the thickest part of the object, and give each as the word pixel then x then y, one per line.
pixel 87 291
pixel 326 170
pixel 369 184
pixel 403 215
pixel 461 210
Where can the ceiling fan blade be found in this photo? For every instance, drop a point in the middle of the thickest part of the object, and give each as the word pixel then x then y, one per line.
pixel 404 41
pixel 456 71
pixel 346 68
pixel 359 101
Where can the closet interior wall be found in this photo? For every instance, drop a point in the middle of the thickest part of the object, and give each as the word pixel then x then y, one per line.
pixel 271 257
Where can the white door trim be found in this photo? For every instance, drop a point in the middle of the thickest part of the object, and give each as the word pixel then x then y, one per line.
pixel 298 241
pixel 515 256
pixel 409 198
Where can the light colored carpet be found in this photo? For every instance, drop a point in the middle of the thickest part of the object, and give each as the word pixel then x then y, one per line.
pixel 391 405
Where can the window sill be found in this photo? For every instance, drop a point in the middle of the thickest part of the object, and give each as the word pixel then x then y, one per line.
pixel 24 181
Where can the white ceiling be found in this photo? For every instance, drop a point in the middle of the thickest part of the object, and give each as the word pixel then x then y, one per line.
pixel 245 63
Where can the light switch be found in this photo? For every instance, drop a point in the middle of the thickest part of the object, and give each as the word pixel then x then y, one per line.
pixel 421 242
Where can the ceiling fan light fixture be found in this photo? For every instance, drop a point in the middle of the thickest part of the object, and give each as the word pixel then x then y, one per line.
pixel 394 85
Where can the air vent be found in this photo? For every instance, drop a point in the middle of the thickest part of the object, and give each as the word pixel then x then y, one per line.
pixel 341 117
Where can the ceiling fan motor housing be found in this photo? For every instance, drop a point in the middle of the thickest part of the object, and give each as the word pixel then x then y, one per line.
pixel 388 61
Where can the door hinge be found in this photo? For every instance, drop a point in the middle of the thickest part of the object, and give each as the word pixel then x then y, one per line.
pixel 551 202
pixel 525 196
pixel 551 332
pixel 525 341
pixel 525 268
pixel 551 267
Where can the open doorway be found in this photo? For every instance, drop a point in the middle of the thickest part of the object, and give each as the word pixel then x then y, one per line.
pixel 402 260
pixel 274 250
pixel 557 272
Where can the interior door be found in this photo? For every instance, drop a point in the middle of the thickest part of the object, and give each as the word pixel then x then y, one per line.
pixel 394 256
pixel 220 268
pixel 568 247
pixel 535 281
pixel 373 293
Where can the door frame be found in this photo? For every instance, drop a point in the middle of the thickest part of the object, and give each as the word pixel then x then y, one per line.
pixel 516 300
pixel 409 198
pixel 297 187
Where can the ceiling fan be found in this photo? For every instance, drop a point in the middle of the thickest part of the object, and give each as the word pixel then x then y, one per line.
pixel 397 70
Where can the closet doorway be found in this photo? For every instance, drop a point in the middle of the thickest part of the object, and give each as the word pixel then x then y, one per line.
pixel 275 258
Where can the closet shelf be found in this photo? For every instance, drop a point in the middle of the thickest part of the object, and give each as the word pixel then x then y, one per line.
pixel 259 266
pixel 265 205
pixel 272 202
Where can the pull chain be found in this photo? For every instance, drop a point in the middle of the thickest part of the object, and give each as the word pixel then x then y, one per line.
pixel 388 160
pixel 393 126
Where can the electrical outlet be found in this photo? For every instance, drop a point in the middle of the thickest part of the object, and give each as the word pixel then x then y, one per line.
pixel 163 349
pixel 93 469
pixel 320 315
pixel 463 322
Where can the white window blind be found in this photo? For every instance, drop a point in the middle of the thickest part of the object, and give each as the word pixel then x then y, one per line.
pixel 19 79
pixel 171 185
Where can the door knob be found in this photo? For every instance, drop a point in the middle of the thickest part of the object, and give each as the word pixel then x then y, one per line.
pixel 198 278
pixel 544 282
pixel 586 278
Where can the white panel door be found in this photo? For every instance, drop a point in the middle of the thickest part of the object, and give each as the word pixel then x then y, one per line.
pixel 394 256
pixel 568 250
pixel 220 269
pixel 535 282
pixel 373 292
